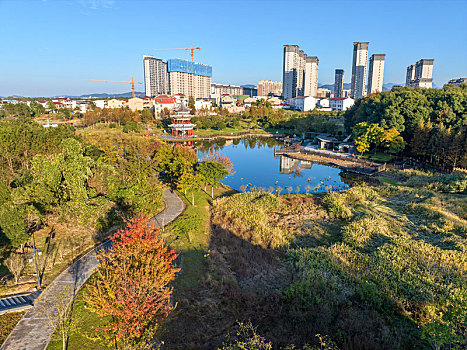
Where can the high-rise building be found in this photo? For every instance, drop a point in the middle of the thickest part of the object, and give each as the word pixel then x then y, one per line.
pixel 266 87
pixel 289 78
pixel 360 59
pixel 189 78
pixel 155 76
pixel 339 83
pixel 310 77
pixel 375 73
pixel 420 74
pixel 410 74
pixel 300 73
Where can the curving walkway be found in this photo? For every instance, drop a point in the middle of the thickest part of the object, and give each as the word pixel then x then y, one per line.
pixel 34 330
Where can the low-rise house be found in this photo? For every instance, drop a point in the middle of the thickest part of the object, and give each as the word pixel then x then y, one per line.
pixel 274 101
pixel 341 103
pixel 323 102
pixel 227 101
pixel 203 104
pixel 302 103
pixel 148 102
pixel 181 99
pixel 136 104
pixel 114 103
pixel 100 103
pixel 164 101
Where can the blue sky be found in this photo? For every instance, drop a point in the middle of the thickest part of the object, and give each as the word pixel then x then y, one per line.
pixel 54 47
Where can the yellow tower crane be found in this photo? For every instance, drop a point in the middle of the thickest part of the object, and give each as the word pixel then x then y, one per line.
pixel 125 82
pixel 192 49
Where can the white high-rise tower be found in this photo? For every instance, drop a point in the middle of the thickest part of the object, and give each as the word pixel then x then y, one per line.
pixel 300 73
pixel 375 73
pixel 360 59
pixel 310 81
pixel 155 76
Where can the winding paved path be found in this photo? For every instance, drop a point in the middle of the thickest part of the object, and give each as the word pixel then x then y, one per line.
pixel 34 330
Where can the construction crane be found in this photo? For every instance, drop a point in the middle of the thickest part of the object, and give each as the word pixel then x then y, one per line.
pixel 126 82
pixel 192 49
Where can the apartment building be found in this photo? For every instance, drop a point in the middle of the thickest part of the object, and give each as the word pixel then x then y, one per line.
pixel 300 73
pixel 155 76
pixel 420 74
pixel 266 87
pixel 339 83
pixel 360 59
pixel 310 77
pixel 322 92
pixel 189 78
pixel 375 73
pixel 225 89
pixel 457 82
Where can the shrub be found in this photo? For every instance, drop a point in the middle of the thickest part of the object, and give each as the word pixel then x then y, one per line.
pixel 360 231
pixel 248 213
pixel 335 203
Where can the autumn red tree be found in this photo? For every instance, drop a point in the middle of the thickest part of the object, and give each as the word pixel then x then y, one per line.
pixel 132 283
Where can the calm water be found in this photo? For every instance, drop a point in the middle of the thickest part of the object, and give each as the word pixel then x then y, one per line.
pixel 255 166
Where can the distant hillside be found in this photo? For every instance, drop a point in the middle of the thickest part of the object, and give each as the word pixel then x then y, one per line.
pixel 93 95
pixel 331 86
pixel 386 87
pixel 104 95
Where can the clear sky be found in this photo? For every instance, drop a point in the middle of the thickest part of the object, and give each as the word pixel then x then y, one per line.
pixel 54 47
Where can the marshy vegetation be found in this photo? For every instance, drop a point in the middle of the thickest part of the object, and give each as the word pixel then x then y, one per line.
pixel 374 267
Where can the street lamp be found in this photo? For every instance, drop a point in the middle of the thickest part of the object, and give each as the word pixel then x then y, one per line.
pixel 35 250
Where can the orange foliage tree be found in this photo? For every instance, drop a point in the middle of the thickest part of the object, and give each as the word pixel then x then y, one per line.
pixel 132 283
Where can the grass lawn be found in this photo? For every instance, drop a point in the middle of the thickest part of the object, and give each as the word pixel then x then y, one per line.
pixel 389 180
pixel 190 236
pixel 378 157
pixel 7 323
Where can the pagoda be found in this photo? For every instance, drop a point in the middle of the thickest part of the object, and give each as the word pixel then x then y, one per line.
pixel 182 126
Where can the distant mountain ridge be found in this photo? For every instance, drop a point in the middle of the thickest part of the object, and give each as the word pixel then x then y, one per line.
pixel 93 95
pixel 105 95
pixel 386 87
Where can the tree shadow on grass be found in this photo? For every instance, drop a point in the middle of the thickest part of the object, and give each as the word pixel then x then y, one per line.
pixel 238 281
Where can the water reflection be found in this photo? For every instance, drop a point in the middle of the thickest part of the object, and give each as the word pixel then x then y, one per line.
pixel 256 168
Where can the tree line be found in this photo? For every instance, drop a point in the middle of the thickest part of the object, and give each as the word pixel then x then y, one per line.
pixel 431 122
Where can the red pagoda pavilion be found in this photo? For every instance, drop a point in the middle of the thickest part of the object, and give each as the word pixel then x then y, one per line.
pixel 182 126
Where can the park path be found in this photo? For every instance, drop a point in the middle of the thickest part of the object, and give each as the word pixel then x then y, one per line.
pixel 34 330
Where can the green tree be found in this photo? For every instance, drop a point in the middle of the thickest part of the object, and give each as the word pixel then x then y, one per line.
pixel 13 224
pixel 191 104
pixel 51 106
pixel 212 173
pixel 189 181
pixel 37 109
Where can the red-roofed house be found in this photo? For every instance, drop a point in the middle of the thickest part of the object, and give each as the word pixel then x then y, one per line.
pixel 164 101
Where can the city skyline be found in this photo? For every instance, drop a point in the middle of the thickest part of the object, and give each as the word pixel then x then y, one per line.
pixel 54 48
